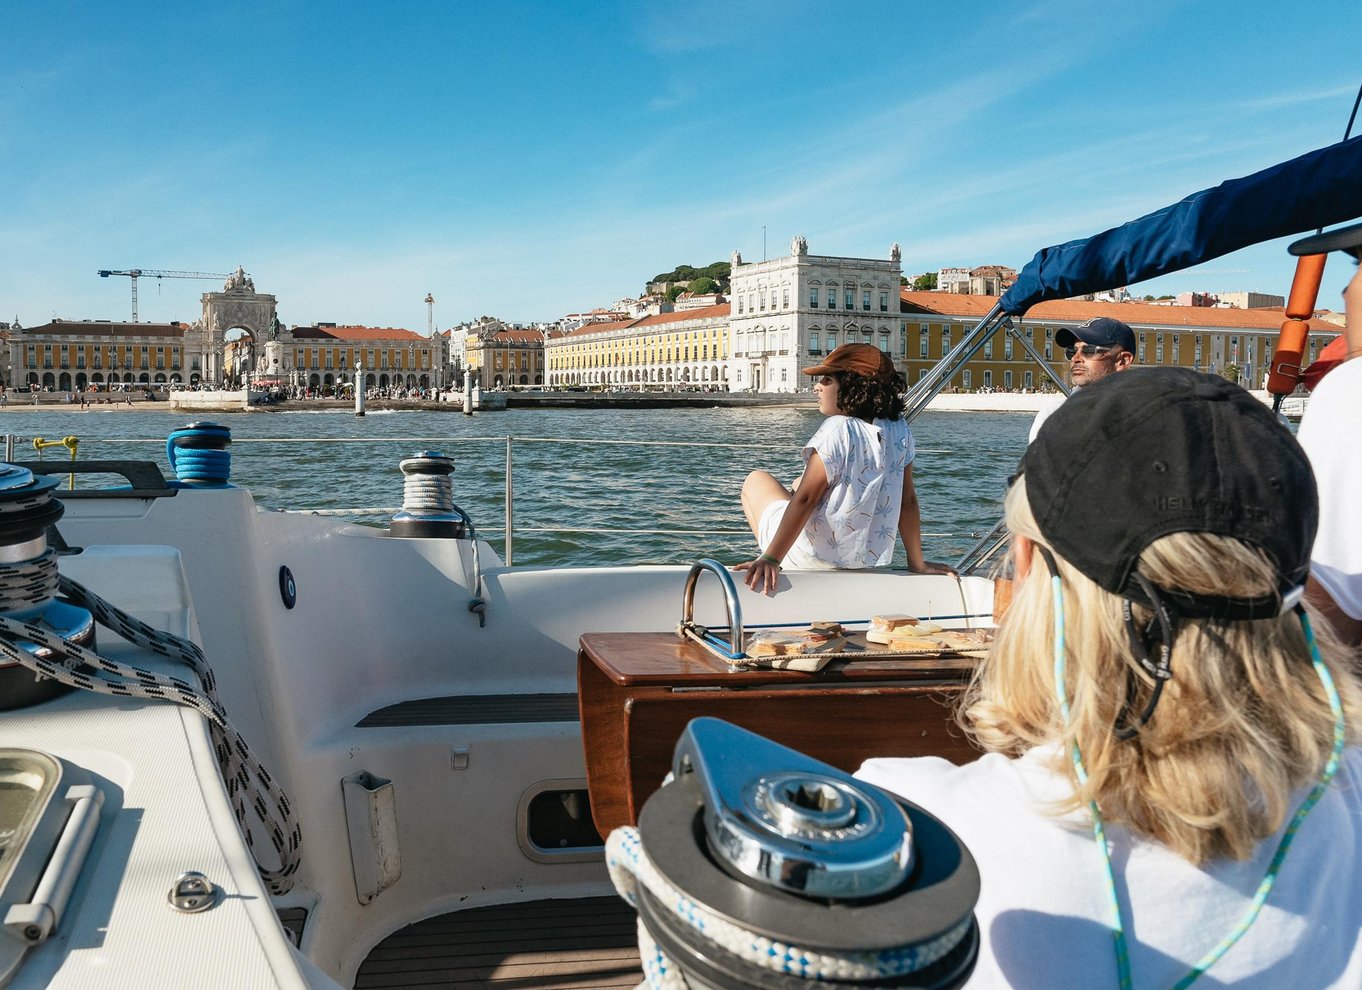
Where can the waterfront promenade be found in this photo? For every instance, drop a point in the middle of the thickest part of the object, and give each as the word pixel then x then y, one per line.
pixel 994 402
pixel 964 402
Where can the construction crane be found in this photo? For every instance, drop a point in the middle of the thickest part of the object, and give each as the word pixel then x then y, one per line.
pixel 136 273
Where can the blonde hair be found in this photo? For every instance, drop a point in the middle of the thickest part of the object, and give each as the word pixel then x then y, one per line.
pixel 1242 723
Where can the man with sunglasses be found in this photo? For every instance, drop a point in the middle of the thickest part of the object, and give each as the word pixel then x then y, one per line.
pixel 1095 349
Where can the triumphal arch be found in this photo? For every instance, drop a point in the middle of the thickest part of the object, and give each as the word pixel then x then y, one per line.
pixel 237 307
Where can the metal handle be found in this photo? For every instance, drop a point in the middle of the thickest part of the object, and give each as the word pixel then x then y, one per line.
pixel 730 600
pixel 787 821
pixel 36 920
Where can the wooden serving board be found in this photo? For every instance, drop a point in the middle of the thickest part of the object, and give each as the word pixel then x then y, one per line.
pixel 855 647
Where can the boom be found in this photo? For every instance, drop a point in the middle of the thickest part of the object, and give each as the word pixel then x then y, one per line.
pixel 135 273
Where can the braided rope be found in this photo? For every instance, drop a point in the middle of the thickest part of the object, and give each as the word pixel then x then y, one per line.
pixel 249 784
pixel 28 584
pixel 427 493
pixel 630 866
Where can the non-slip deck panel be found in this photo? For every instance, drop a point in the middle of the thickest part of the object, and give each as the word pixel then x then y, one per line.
pixel 479 709
pixel 541 945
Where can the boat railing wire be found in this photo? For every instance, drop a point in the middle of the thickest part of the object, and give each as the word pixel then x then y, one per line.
pixel 509 528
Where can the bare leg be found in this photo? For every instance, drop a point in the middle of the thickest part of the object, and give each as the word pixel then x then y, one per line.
pixel 759 491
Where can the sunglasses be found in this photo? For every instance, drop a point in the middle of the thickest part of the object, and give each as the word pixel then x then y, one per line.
pixel 1084 351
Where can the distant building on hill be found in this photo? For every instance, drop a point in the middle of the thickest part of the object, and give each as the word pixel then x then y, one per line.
pixel 1250 300
pixel 953 280
pixel 697 300
pixel 991 280
pixel 983 280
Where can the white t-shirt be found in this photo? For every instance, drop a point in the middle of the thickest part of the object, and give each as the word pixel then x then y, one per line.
pixel 1326 433
pixel 1043 911
pixel 1044 412
pixel 857 521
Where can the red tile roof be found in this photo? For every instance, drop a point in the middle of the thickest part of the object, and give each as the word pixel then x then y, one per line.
pixel 509 337
pixel 356 333
pixel 1137 314
pixel 660 320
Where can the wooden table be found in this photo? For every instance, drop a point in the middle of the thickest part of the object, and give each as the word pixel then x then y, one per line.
pixel 637 692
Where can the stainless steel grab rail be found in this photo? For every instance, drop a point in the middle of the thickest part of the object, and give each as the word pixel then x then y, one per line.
pixel 735 634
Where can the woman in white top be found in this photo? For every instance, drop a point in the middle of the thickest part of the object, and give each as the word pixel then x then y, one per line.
pixel 1162 726
pixel 856 492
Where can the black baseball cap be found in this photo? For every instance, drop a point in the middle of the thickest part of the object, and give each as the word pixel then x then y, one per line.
pixel 1102 331
pixel 1343 239
pixel 1135 457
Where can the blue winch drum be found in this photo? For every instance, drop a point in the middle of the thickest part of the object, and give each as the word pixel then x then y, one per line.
pixel 198 455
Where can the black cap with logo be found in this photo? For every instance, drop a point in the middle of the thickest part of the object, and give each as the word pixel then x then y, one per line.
pixel 1135 457
pixel 1101 331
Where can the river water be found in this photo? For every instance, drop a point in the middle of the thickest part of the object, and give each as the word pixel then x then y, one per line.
pixel 597 476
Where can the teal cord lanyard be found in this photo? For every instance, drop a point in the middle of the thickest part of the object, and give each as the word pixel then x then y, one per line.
pixel 1099 832
pixel 1270 878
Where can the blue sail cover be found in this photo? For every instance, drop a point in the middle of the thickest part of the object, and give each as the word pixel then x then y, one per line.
pixel 1317 189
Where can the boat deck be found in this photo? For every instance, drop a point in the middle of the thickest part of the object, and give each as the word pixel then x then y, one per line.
pixel 546 945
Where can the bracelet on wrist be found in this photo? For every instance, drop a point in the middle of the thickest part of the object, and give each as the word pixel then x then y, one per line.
pixel 769 559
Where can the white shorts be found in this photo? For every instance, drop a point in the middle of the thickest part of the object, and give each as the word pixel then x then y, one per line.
pixel 798 558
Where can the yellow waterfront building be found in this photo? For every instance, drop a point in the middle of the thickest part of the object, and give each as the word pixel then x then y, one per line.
pixel 1240 341
pixel 323 357
pixel 75 355
pixel 662 351
pixel 505 357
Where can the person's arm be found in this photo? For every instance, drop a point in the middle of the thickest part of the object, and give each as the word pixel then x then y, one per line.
pixel 764 572
pixel 910 529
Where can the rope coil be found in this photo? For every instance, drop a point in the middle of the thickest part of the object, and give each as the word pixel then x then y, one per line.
pixel 198 455
pixel 630 868
pixel 28 584
pixel 248 783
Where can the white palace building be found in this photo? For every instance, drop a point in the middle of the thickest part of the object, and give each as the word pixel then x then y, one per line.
pixel 783 315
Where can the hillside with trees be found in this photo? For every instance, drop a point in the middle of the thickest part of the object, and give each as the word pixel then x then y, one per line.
pixel 711 278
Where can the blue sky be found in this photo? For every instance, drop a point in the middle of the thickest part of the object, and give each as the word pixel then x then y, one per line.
pixel 526 160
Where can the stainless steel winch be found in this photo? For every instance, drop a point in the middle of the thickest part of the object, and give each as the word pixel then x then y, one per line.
pixel 799 853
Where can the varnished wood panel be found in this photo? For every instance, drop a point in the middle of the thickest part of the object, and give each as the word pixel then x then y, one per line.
pixel 637 691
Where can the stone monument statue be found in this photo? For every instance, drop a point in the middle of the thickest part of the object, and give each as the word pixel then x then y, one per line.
pixel 239 281
pixel 894 253
pixel 274 327
pixel 737 259
pixel 799 246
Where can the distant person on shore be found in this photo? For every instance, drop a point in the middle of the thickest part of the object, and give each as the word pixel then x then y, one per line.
pixel 1095 349
pixel 1326 433
pixel 856 491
